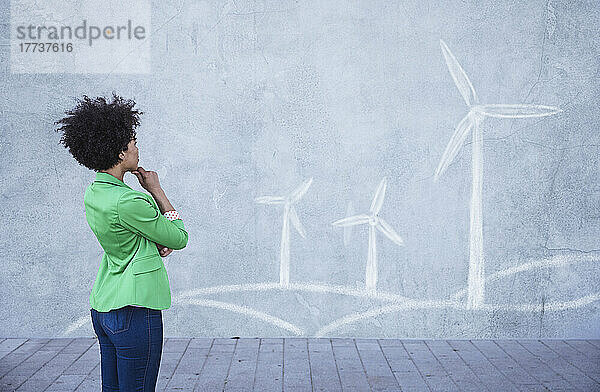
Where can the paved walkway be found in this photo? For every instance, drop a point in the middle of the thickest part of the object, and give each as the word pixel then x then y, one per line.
pixel 300 364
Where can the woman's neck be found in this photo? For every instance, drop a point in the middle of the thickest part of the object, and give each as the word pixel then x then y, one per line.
pixel 115 173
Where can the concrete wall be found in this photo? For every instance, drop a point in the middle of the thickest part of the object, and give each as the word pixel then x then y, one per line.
pixel 251 98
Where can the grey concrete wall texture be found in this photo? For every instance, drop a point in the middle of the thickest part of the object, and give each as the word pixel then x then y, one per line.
pixel 251 98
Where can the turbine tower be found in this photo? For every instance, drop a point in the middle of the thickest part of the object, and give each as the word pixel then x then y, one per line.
pixel 374 221
pixel 472 121
pixel 289 213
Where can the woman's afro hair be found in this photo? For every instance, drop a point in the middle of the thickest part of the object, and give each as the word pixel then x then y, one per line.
pixel 96 131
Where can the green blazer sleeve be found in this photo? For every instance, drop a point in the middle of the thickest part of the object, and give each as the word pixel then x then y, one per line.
pixel 138 214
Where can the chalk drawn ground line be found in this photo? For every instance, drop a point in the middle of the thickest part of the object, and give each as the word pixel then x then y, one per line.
pixel 248 312
pixel 554 261
pixel 548 306
pixel 276 321
pixel 302 286
pixel 398 302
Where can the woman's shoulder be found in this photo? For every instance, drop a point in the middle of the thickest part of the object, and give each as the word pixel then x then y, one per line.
pixel 130 194
pixel 133 199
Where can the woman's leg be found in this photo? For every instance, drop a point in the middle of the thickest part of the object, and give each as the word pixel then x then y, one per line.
pixel 108 356
pixel 156 343
pixel 137 334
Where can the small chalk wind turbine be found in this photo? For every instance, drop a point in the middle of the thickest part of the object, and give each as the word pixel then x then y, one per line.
pixel 374 222
pixel 472 121
pixel 289 214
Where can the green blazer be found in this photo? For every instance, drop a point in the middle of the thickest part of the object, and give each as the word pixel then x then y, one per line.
pixel 128 224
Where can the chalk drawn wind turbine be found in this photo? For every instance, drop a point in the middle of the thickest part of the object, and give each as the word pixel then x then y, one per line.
pixel 472 122
pixel 374 221
pixel 289 213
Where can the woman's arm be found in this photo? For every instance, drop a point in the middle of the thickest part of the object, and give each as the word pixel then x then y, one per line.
pixel 139 213
pixel 163 203
pixel 161 199
pixel 149 180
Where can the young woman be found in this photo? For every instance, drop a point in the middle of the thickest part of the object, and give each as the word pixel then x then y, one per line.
pixel 135 230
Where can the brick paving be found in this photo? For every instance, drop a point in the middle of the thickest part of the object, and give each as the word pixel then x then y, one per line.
pixel 317 364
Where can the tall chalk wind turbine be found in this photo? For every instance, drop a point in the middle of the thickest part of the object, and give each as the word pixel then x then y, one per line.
pixel 289 213
pixel 374 221
pixel 472 121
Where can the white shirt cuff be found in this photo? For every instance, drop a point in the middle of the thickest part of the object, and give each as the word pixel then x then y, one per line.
pixel 172 215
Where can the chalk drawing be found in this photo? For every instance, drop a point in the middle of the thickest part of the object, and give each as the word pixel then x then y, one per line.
pixel 394 302
pixel 314 287
pixel 554 261
pixel 289 214
pixel 374 221
pixel 244 310
pixel 561 260
pixel 547 307
pixel 472 121
pixel 80 322
pixel 320 287
pixel 348 229
pixel 217 195
pixel 248 312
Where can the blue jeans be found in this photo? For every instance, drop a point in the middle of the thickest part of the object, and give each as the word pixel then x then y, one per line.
pixel 131 340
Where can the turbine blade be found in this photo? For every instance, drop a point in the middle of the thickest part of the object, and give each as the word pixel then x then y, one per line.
pixel 348 229
pixel 460 77
pixel 352 220
pixel 389 232
pixel 270 200
pixel 296 222
pixel 378 198
pixel 517 110
pixel 455 144
pixel 300 191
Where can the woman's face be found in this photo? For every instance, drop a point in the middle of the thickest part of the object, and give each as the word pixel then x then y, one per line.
pixel 132 156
